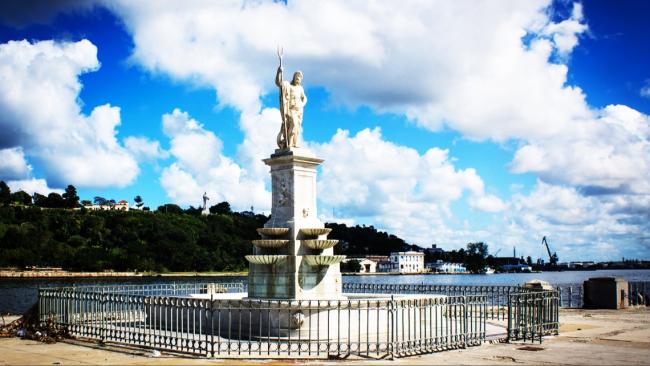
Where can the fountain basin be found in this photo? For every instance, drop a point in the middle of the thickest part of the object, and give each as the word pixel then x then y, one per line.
pixel 315 231
pixel 353 317
pixel 265 259
pixel 322 260
pixel 320 244
pixel 270 243
pixel 272 231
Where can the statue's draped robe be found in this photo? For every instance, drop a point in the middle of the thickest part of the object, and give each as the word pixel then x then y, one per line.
pixel 292 101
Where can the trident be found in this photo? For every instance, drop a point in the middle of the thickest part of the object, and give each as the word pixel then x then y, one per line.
pixel 280 52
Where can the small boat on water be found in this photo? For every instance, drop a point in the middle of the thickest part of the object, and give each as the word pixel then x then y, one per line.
pixel 488 270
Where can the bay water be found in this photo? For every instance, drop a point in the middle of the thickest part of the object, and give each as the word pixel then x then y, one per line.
pixel 17 295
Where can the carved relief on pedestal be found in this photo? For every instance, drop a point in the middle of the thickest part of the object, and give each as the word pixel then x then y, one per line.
pixel 283 194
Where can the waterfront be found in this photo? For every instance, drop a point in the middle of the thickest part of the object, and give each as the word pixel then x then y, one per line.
pixel 555 278
pixel 18 294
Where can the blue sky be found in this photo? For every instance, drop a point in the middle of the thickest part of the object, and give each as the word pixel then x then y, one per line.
pixel 442 123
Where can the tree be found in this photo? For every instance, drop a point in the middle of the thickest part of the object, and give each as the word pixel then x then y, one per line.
pixel 170 208
pixel 138 202
pixel 193 210
pixel 22 198
pixel 70 197
pixel 101 201
pixel 54 200
pixel 39 200
pixel 86 203
pixel 5 193
pixel 476 255
pixel 221 208
pixel 352 265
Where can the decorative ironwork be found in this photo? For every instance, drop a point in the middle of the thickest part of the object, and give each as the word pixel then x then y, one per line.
pixel 533 315
pixel 168 318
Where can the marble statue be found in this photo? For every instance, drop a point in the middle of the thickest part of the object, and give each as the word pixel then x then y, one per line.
pixel 205 200
pixel 292 102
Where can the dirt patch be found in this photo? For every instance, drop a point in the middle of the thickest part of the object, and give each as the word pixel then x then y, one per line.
pixel 505 358
pixel 617 343
pixel 567 328
pixel 531 348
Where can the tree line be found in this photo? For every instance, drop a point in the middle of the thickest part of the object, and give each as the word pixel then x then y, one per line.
pixel 47 231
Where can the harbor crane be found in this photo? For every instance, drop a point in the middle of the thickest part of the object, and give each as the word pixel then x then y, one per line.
pixel 552 258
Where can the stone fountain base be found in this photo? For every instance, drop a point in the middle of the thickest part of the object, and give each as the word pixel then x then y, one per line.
pixel 295 278
pixel 354 317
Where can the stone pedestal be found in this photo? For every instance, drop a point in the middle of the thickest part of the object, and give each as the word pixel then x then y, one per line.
pixel 538 285
pixel 605 293
pixel 293 177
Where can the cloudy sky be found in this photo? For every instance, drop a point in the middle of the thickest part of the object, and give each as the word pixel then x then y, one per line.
pixel 439 121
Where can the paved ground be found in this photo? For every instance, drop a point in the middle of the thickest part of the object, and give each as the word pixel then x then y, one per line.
pixel 588 337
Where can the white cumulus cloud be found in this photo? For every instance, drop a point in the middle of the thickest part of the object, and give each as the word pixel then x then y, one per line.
pixel 144 149
pixel 32 186
pixel 610 154
pixel 199 166
pixel 394 186
pixel 576 225
pixel 13 164
pixel 39 91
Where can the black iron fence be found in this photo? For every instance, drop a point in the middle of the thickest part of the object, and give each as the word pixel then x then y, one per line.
pixel 533 315
pixel 216 321
pixel 496 296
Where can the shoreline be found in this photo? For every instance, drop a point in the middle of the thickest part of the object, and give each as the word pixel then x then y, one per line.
pixel 66 274
pixel 16 274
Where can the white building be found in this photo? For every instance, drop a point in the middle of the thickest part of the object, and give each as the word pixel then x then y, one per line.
pixel 403 262
pixel 122 205
pixel 367 265
pixel 446 267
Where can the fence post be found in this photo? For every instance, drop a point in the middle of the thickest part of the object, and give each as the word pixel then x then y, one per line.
pixel 508 338
pixel 103 320
pixel 392 324
pixel 464 321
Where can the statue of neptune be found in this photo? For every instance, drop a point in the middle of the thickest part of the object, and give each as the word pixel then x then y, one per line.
pixel 292 102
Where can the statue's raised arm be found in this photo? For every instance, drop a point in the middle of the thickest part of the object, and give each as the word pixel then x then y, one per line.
pixel 292 102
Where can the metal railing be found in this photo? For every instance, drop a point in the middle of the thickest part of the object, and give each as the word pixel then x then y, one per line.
pixel 173 318
pixel 496 296
pixel 533 315
pixel 166 289
pixel 638 293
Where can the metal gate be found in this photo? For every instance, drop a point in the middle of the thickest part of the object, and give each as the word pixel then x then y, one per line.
pixel 533 315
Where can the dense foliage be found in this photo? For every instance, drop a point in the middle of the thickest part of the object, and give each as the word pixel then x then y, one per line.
pixel 134 240
pixel 58 231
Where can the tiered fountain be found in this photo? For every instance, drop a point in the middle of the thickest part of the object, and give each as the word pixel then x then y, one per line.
pixel 294 259
pixel 294 279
